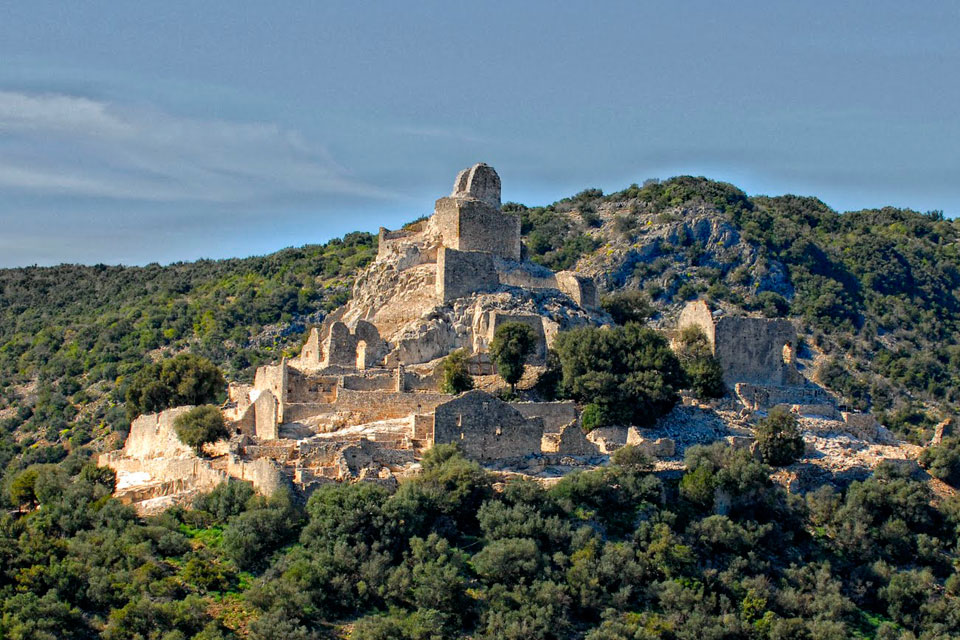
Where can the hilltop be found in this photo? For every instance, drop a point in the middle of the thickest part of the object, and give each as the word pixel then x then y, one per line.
pixel 874 293
pixel 714 466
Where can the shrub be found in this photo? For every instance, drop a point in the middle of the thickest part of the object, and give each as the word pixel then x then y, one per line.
pixel 943 460
pixel 627 306
pixel 456 378
pixel 773 305
pixel 778 438
pixel 183 379
pixel 629 374
pixel 633 457
pixel 512 343
pixel 199 426
pixel 702 368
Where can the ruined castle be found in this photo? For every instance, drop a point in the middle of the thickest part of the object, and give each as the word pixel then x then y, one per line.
pixel 361 400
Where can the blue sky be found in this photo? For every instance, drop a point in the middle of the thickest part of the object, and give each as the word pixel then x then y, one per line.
pixel 153 132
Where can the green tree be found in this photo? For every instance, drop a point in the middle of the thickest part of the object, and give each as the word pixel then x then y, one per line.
pixel 943 460
pixel 181 380
pixel 199 426
pixel 512 343
pixel 456 378
pixel 22 489
pixel 778 438
pixel 624 375
pixel 701 366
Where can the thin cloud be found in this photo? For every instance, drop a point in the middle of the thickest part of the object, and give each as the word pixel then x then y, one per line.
pixel 69 145
pixel 441 132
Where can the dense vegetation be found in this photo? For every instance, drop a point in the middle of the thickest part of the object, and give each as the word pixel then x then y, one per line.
pixel 610 554
pixel 73 339
pixel 876 290
pixel 622 375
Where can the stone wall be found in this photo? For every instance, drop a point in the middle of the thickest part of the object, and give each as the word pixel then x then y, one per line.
pixel 267 416
pixel 357 349
pixel 764 396
pixel 310 354
pixel 360 407
pixel 479 181
pixel 753 350
pixel 581 289
pixel 273 378
pixel 555 415
pixel 487 428
pixel 152 435
pixel 460 273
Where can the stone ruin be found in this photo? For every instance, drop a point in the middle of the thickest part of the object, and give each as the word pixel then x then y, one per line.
pixel 758 358
pixel 361 401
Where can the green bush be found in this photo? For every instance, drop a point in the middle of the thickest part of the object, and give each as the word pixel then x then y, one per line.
pixel 628 305
pixel 181 380
pixel 701 366
pixel 456 378
pixel 199 426
pixel 512 343
pixel 943 460
pixel 629 374
pixel 778 438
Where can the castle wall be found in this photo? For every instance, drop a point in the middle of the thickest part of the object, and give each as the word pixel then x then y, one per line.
pixel 581 290
pixel 460 273
pixel 310 354
pixel 752 350
pixel 152 435
pixel 763 396
pixel 487 428
pixel 555 415
pixel 266 409
pixel 273 378
pixel 367 406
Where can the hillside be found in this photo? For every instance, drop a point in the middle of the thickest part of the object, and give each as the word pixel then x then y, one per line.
pixel 874 293
pixel 712 542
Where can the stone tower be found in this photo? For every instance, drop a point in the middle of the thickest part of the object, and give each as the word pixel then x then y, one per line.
pixel 470 218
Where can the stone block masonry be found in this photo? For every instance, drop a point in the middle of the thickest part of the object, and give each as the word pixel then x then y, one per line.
pixel 460 273
pixel 487 428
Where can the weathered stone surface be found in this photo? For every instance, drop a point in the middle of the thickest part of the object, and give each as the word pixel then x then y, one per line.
pixel 479 181
pixel 487 428
pixel 752 350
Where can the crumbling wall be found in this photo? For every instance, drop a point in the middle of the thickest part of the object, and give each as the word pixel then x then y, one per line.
pixel 758 351
pixel 555 415
pixel 569 441
pixel 310 354
pixel 273 378
pixel 698 314
pixel 486 428
pixel 581 289
pixel 460 273
pixel 752 350
pixel 152 435
pixel 756 397
pixel 267 411
pixel 479 181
